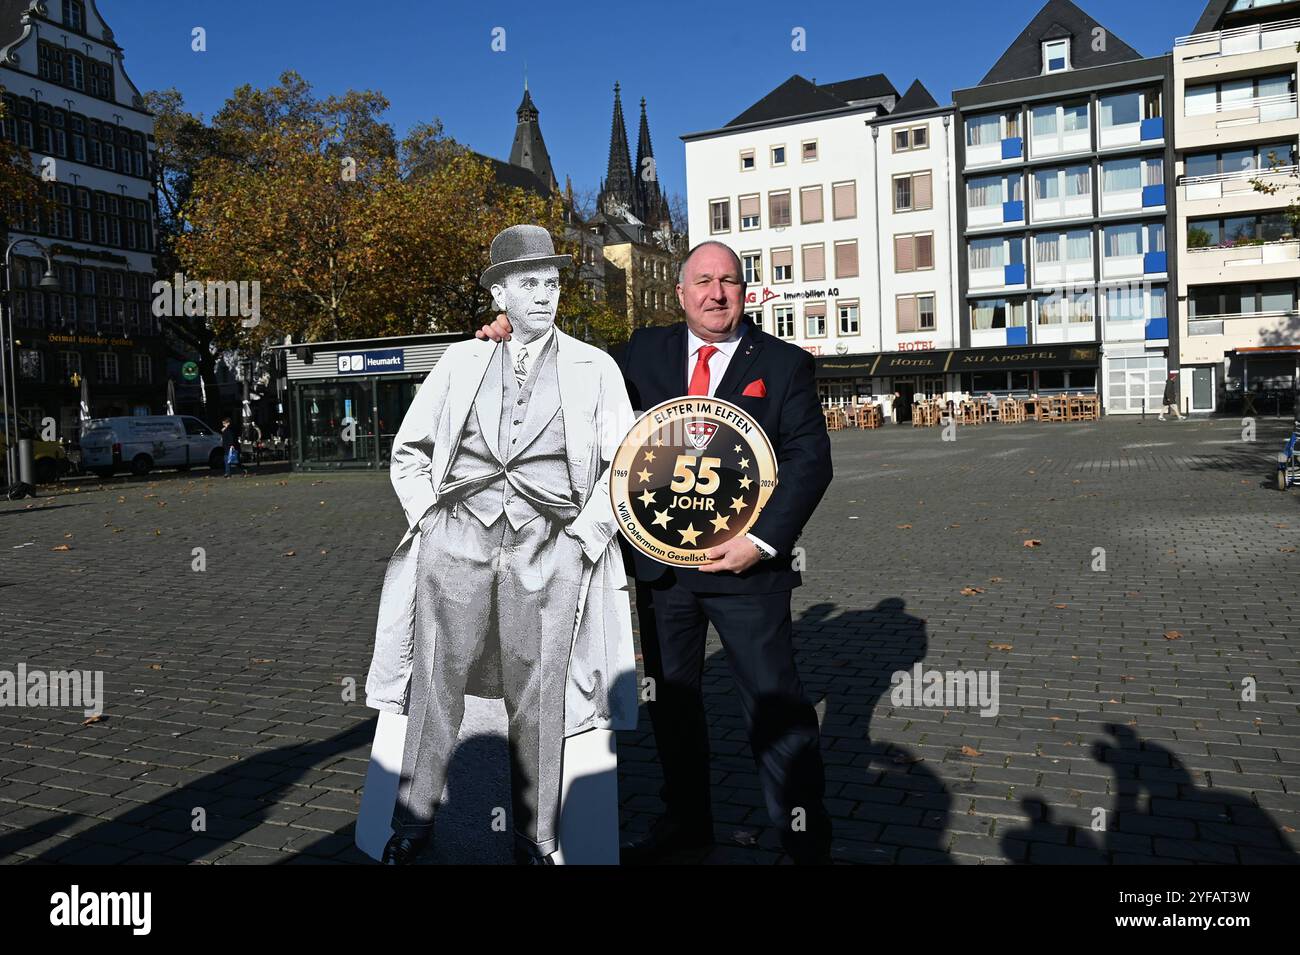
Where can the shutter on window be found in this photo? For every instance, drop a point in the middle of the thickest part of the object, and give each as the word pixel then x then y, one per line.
pixel 922 194
pixel 846 260
pixel 810 204
pixel 904 260
pixel 925 251
pixel 814 263
pixel 907 314
pixel 844 199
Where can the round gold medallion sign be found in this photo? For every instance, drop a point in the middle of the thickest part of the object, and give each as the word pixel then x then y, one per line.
pixel 693 473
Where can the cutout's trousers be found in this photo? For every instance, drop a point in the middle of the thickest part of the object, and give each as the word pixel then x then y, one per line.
pixel 475 584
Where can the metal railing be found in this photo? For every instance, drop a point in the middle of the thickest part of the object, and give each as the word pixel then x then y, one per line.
pixel 1265 36
pixel 1239 174
pixel 1248 244
pixel 1255 102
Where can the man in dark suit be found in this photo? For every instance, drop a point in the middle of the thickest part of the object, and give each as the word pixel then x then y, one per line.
pixel 744 591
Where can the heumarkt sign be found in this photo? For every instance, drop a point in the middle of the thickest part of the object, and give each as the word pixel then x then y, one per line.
pixel 190 371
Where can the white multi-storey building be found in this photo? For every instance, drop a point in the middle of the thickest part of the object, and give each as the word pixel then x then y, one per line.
pixel 1236 133
pixel 837 198
pixel 69 101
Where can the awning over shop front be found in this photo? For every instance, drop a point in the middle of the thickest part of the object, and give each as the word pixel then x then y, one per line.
pixel 956 360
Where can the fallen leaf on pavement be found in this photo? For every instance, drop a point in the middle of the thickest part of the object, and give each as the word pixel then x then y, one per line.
pixel 1001 646
pixel 970 751
pixel 61 547
pixel 971 591
pixel 99 718
pixel 1033 542
pixel 1173 635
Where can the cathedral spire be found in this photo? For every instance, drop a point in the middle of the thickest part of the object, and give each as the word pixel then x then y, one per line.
pixel 651 208
pixel 619 183
pixel 529 149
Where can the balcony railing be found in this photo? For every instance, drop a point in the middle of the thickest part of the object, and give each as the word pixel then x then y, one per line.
pixel 1251 39
pixel 1250 253
pixel 1239 174
pixel 1205 324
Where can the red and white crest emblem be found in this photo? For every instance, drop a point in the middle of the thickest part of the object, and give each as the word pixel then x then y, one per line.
pixel 700 433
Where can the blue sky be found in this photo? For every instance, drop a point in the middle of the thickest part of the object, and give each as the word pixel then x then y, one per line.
pixel 697 64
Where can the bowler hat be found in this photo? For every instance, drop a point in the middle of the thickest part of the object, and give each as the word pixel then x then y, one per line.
pixel 521 245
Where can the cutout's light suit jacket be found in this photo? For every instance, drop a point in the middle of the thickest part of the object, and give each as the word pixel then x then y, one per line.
pixel 601 691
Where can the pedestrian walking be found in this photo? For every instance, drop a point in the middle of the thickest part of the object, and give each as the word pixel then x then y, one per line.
pixel 229 445
pixel 1171 398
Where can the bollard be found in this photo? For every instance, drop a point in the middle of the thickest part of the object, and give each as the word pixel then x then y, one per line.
pixel 26 462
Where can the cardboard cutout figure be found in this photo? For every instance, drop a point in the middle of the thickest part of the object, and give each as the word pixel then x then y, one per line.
pixel 508 582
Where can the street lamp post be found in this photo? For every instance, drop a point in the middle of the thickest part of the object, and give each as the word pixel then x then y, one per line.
pixel 8 378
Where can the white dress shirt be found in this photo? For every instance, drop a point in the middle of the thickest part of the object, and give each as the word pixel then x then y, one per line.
pixel 534 349
pixel 718 363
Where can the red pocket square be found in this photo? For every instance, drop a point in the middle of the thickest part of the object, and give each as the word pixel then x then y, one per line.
pixel 755 389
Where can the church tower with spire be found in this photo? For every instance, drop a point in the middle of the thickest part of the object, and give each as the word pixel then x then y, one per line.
pixel 618 188
pixel 528 149
pixel 652 208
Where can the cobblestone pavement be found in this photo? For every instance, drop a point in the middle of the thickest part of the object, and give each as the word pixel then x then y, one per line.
pixel 1125 643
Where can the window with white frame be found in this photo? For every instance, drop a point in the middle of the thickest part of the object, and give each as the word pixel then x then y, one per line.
pixel 143 369
pixel 913 191
pixel 749 212
pixel 814 318
pixel 1056 55
pixel 747 160
pixel 990 313
pixel 814 262
pixel 809 150
pixel 106 364
pixel 914 313
pixel 844 200
pixel 913 137
pixel 778 155
pixel 846 259
pixel 848 315
pixel 810 204
pixel 755 317
pixel 719 215
pixel 778 209
pixel 752 267
pixel 783 320
pixel 783 265
pixel 914 252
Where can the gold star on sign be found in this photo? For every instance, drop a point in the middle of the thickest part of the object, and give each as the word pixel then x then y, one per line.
pixel 720 523
pixel 736 449
pixel 744 463
pixel 661 518
pixel 649 455
pixel 738 504
pixel 659 442
pixel 644 475
pixel 689 535
pixel 745 482
pixel 647 498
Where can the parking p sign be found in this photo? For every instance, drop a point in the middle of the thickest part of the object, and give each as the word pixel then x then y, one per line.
pixel 371 362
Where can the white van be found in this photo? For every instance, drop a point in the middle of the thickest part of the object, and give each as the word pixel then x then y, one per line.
pixel 148 441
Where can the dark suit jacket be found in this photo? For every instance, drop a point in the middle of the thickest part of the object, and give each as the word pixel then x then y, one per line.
pixel 654 367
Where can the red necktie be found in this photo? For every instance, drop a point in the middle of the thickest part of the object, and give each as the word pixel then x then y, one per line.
pixel 700 376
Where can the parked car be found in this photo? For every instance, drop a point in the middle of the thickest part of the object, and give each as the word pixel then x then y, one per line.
pixel 142 443
pixel 50 457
